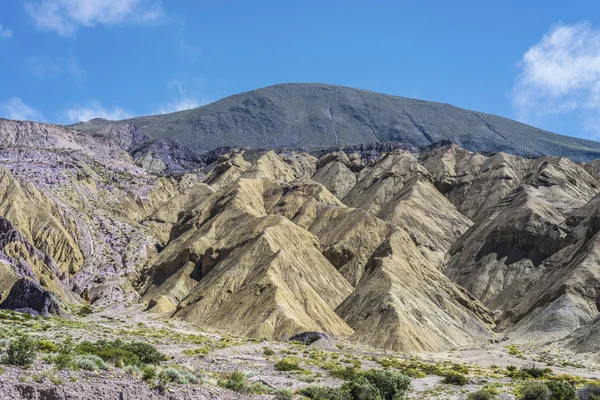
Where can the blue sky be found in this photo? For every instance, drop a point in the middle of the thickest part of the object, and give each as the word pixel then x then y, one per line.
pixel 70 60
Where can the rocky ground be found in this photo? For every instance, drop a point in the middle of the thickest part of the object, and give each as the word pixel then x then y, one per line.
pixel 213 357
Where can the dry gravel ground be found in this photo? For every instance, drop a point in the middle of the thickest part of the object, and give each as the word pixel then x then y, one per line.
pixel 42 381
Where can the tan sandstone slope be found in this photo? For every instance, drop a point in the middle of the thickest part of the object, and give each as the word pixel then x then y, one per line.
pixel 397 250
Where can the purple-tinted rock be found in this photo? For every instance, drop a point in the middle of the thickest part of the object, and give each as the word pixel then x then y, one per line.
pixel 29 297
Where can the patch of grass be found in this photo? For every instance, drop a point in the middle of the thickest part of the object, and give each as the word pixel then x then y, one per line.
pixel 199 352
pixel 88 362
pixel 46 346
pixel 513 350
pixel 171 374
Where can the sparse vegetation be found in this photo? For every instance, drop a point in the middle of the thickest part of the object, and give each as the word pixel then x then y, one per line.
pixel 369 385
pixel 88 362
pixel 589 392
pixel 122 353
pixel 534 391
pixel 561 390
pixel 455 378
pixel 21 351
pixel 287 364
pixel 481 395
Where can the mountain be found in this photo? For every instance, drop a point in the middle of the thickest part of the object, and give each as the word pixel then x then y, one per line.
pixel 433 248
pixel 319 115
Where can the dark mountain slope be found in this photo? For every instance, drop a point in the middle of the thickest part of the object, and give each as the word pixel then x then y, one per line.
pixel 318 115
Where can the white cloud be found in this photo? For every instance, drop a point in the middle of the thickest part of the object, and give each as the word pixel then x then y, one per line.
pixel 5 32
pixel 183 100
pixel 64 16
pixel 16 109
pixel 45 66
pixel 95 110
pixel 561 75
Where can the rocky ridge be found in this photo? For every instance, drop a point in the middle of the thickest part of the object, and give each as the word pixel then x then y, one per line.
pixel 431 248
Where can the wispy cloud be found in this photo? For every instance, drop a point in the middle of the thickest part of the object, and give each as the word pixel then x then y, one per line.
pixel 561 75
pixel 183 100
pixel 44 66
pixel 65 16
pixel 14 108
pixel 5 32
pixel 93 110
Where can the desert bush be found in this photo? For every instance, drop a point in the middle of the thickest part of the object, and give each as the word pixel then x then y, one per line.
pixel 287 364
pixel 267 351
pixel 176 375
pixel 21 351
pixel 46 346
pixel 535 372
pixel 88 362
pixel 119 352
pixel 368 385
pixel 534 391
pixel 347 374
pixel 589 392
pixel 455 378
pixel 237 382
pixel 148 373
pixel 283 394
pixel 325 393
pixel 362 389
pixel 390 384
pixel 481 395
pixel 561 390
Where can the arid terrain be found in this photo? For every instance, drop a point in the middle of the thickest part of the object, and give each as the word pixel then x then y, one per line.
pixel 148 271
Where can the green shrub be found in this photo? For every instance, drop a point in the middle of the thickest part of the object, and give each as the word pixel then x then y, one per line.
pixel 21 351
pixel 88 362
pixel 284 394
pixel 362 389
pixel 347 374
pixel 200 352
pixel 455 378
pixel 267 351
pixel 481 395
pixel 534 371
pixel 325 393
pixel 561 390
pixel 119 352
pixel 589 392
pixel 237 382
pixel 46 346
pixel 287 364
pixel 390 384
pixel 414 373
pixel 85 309
pixel 534 391
pixel 148 373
